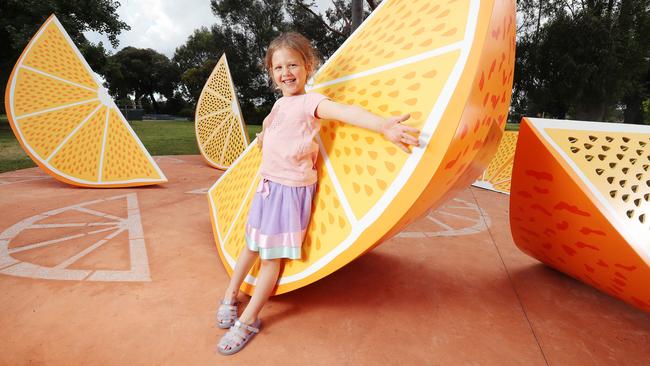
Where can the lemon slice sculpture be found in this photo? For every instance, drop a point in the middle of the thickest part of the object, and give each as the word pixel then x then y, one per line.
pixel 498 174
pixel 450 65
pixel 220 128
pixel 67 123
pixel 580 202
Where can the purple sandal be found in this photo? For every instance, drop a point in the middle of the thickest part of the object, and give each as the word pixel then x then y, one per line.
pixel 237 337
pixel 227 313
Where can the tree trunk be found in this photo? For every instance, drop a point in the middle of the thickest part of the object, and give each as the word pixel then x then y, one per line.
pixel 591 112
pixel 357 14
pixel 633 108
pixel 154 104
pixel 539 19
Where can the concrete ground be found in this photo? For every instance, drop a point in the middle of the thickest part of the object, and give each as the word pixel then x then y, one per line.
pixel 132 277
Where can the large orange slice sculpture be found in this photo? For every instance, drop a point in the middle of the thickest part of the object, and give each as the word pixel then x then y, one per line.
pixel 450 65
pixel 67 123
pixel 220 129
pixel 498 174
pixel 580 203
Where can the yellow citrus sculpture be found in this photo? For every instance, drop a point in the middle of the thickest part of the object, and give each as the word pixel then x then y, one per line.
pixel 450 65
pixel 67 123
pixel 580 202
pixel 220 128
pixel 499 172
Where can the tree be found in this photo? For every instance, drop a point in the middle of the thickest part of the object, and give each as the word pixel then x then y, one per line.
pixel 244 31
pixel 583 59
pixel 357 12
pixel 21 19
pixel 143 73
pixel 96 56
pixel 327 31
pixel 196 58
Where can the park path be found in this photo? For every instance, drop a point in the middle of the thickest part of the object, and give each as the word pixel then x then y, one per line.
pixel 132 276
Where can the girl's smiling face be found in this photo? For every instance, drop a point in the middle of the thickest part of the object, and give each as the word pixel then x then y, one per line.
pixel 289 71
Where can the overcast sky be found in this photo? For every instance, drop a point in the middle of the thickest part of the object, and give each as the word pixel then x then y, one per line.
pixel 164 24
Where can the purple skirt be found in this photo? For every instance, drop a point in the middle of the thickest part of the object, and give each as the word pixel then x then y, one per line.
pixel 278 218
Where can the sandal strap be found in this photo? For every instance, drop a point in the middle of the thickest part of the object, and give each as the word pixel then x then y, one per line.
pixel 248 327
pixel 227 308
pixel 229 302
pixel 235 336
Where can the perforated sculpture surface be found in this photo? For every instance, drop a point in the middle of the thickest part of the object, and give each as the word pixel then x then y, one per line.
pixel 497 175
pixel 67 123
pixel 220 128
pixel 448 64
pixel 580 203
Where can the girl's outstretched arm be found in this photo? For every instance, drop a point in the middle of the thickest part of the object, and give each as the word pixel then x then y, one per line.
pixel 391 127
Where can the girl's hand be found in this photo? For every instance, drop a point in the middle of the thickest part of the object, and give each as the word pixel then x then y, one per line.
pixel 399 134
pixel 260 137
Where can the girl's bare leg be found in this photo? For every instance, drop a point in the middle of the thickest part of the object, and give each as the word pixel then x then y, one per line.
pixel 267 277
pixel 243 265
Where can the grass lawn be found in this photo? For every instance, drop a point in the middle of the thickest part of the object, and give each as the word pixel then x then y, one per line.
pixel 159 137
pixel 512 126
pixel 12 156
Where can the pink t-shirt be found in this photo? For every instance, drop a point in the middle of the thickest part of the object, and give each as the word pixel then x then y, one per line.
pixel 289 152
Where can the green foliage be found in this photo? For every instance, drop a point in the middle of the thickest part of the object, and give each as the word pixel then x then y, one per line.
pixel 512 126
pixel 196 58
pixel 96 56
pixel 141 72
pixel 21 19
pixel 245 29
pixel 584 60
pixel 645 105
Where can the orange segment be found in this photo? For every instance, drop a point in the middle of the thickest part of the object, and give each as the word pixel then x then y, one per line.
pixel 566 213
pixel 124 157
pixel 401 30
pixel 52 53
pixel 476 138
pixel 60 115
pixel 616 163
pixel 210 125
pixel 368 189
pixel 220 129
pixel 236 232
pixel 46 131
pixel 211 104
pixel 498 174
pixel 359 154
pixel 37 92
pixel 228 201
pixel 79 156
pixel 236 143
pixel 328 223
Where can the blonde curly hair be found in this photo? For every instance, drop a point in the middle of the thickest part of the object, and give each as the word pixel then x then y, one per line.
pixel 297 42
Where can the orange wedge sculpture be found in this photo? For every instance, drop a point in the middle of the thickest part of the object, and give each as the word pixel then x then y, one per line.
pixel 67 123
pixel 580 203
pixel 220 129
pixel 449 64
pixel 497 175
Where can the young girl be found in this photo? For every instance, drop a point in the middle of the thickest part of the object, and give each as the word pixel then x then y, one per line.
pixel 281 207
